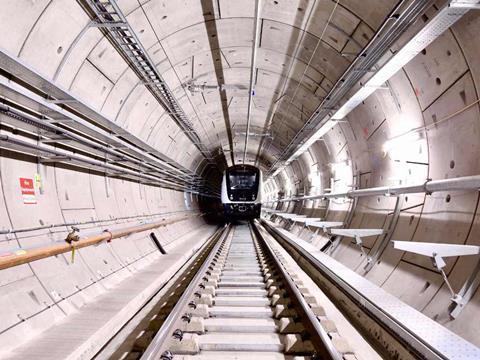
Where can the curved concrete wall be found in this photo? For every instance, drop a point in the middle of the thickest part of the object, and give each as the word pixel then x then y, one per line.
pixel 424 126
pixel 432 100
pixel 37 295
pixel 54 39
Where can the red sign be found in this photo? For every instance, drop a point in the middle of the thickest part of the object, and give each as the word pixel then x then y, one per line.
pixel 28 191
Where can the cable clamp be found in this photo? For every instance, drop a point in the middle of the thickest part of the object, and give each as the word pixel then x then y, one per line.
pixel 110 233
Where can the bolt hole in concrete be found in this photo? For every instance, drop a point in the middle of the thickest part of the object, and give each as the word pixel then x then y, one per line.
pixel 412 217
pixel 275 2
pixel 447 198
pixel 452 164
pixel 425 287
pixel 424 52
pixel 406 198
pixel 59 49
pixel 34 297
pixel 438 81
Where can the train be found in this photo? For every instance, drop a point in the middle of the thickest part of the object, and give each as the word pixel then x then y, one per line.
pixel 242 191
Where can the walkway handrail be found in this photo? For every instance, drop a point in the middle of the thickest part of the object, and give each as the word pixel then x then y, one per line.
pixel 428 187
pixel 22 256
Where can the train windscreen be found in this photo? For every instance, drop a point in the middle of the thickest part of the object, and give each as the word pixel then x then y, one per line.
pixel 241 180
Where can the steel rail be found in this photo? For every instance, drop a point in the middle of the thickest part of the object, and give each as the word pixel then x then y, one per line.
pixel 323 343
pixel 404 333
pixel 256 36
pixel 170 285
pixel 27 256
pixel 428 187
pixel 155 347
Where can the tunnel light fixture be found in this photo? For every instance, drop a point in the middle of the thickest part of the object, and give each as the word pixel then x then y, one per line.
pixel 278 171
pixel 445 18
pixel 400 141
pixel 466 4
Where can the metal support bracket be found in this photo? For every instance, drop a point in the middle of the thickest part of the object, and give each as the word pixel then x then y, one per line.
pixel 314 235
pixel 387 236
pixel 466 292
pixel 348 219
pixel 437 252
pixel 324 225
pixel 358 234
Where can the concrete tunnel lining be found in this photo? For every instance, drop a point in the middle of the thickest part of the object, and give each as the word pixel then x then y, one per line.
pixel 423 125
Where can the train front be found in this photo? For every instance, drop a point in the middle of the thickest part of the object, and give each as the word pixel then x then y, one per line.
pixel 242 192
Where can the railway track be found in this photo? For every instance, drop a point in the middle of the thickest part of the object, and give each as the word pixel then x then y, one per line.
pixel 242 304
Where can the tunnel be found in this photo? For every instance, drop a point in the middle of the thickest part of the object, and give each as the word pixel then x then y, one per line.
pixel 118 119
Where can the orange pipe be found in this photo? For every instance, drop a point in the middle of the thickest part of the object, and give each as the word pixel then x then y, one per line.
pixel 26 256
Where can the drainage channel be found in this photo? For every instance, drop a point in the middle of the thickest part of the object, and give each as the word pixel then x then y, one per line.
pixel 242 304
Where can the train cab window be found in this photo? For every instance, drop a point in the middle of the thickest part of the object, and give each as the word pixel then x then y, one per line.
pixel 242 180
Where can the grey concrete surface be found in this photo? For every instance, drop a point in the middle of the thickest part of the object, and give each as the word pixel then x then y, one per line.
pixel 423 125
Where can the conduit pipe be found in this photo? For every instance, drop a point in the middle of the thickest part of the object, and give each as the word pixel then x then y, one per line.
pixel 76 223
pixel 26 256
pixel 12 143
pixel 430 186
pixel 95 146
